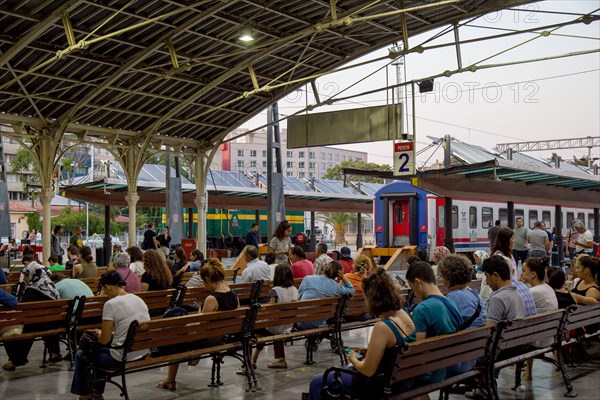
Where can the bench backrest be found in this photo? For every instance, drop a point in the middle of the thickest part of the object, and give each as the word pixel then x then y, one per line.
pixel 584 316
pixel 100 271
pixel 356 305
pixel 199 294
pixel 189 328
pixel 438 352
pixel 271 315
pixel 93 283
pixel 13 277
pixel 540 327
pixel 36 312
pixel 268 285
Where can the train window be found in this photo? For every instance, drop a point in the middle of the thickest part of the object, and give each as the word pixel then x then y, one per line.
pixel 441 216
pixel 399 214
pixel 590 224
pixel 533 216
pixel 487 217
pixel 570 218
pixel 503 216
pixel 546 218
pixel 581 217
pixel 519 213
pixel 473 217
pixel 454 217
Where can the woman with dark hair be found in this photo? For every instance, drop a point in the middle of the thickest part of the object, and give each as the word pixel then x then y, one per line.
pixel 588 271
pixel 180 266
pixel 85 267
pixel 164 241
pixel 137 260
pixel 534 273
pixel 196 259
pixel 383 299
pixel 281 242
pixel 556 280
pixel 503 247
pixel 157 275
pixel 301 267
pixel 283 291
pixel 222 298
pixel 119 312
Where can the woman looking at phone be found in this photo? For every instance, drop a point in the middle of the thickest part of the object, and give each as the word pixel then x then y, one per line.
pixel 383 299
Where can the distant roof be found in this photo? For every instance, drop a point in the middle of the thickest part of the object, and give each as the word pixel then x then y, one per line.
pixel 227 189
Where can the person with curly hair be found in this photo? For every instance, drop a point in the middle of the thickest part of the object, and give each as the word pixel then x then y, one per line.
pixel 362 267
pixel 157 275
pixel 137 260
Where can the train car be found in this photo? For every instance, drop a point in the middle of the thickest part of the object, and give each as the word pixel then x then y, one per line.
pixel 404 214
pixel 228 228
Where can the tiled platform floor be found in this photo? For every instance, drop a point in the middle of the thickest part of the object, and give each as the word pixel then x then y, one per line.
pixel 31 382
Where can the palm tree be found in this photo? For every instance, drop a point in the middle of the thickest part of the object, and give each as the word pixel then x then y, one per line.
pixel 339 221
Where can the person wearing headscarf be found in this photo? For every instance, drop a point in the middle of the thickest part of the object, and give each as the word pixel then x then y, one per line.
pixel 480 256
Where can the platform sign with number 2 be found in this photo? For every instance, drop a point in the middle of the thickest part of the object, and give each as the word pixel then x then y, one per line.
pixel 404 158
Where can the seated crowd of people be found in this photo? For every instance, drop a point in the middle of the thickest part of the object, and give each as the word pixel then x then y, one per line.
pixel 507 294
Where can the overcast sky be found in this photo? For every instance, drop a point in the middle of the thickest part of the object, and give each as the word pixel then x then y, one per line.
pixel 555 99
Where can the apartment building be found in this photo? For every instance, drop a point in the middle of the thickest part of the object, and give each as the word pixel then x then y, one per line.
pixel 248 154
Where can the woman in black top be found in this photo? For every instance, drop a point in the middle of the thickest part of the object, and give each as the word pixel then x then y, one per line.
pixel 222 298
pixel 587 291
pixel 180 266
pixel 556 280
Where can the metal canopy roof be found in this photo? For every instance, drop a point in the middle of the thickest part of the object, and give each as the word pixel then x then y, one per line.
pixel 176 68
pixel 229 190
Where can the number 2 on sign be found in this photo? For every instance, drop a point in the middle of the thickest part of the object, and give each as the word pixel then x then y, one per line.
pixel 404 160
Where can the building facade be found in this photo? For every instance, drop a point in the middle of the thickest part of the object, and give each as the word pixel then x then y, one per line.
pixel 248 154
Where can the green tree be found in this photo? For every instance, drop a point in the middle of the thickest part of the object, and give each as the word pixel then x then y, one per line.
pixel 335 172
pixel 34 221
pixel 339 221
pixel 23 163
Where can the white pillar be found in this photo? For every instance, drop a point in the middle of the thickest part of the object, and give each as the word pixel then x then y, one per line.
pixel 46 197
pixel 132 200
pixel 201 202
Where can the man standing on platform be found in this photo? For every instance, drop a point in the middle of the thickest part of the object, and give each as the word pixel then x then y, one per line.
pixel 252 236
pixel 76 238
pixel 55 247
pixel 585 241
pixel 150 242
pixel 519 247
pixel 492 232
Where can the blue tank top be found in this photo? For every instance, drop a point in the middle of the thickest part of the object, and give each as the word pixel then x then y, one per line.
pixel 395 329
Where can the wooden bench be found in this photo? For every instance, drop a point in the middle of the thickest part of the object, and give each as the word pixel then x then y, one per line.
pixel 158 302
pixel 44 318
pixel 193 297
pixel 93 284
pixel 15 289
pixel 429 355
pixel 577 320
pixel 530 338
pixel 193 333
pixel 327 309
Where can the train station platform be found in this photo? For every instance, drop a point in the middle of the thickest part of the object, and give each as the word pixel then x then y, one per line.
pixel 53 383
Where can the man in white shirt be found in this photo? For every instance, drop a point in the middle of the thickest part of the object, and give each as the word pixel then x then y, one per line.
pixel 255 269
pixel 585 241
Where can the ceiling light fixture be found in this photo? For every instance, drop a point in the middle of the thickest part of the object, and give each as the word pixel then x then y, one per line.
pixel 246 34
